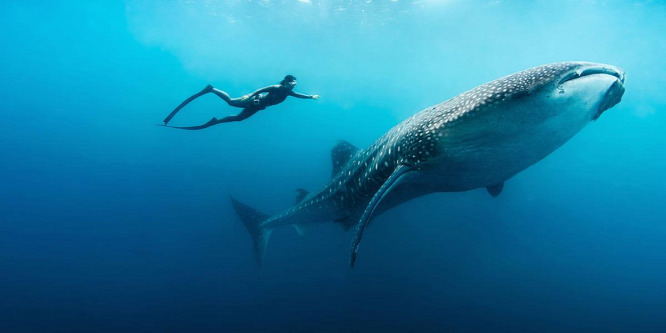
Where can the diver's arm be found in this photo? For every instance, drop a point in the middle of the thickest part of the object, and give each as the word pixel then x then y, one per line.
pixel 304 96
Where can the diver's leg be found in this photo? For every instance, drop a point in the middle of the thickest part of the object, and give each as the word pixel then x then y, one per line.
pixel 205 90
pixel 237 102
pixel 246 113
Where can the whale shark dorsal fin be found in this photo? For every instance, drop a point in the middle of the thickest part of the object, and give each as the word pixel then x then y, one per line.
pixel 495 190
pixel 301 194
pixel 370 208
pixel 340 155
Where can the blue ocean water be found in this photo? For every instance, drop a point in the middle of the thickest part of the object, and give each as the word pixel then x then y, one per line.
pixel 109 223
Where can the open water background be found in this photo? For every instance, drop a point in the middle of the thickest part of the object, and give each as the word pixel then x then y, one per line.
pixel 108 223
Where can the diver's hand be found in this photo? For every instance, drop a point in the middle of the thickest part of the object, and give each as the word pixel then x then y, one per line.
pixel 315 96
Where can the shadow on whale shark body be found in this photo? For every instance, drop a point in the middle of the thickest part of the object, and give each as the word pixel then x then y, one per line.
pixel 478 139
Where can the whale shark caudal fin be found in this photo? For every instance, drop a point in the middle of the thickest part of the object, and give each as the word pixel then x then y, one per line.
pixel 370 208
pixel 495 190
pixel 340 155
pixel 252 219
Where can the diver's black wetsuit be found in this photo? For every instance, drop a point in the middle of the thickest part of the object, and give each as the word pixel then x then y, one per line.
pixel 251 104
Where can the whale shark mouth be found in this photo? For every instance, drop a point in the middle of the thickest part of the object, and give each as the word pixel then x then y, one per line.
pixel 615 91
pixel 597 70
pixel 612 97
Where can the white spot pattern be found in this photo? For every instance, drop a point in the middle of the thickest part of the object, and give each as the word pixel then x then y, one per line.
pixel 413 141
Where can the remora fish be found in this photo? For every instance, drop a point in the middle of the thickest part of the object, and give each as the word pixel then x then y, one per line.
pixel 478 139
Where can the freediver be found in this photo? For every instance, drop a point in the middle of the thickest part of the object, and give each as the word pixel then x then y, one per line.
pixel 251 104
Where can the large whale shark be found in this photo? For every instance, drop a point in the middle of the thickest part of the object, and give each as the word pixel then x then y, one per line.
pixel 478 139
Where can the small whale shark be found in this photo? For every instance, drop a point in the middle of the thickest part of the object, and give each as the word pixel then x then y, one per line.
pixel 478 139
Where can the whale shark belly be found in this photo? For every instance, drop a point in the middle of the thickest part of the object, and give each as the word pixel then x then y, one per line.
pixel 489 146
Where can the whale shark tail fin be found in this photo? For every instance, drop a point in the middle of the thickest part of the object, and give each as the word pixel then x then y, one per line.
pixel 252 219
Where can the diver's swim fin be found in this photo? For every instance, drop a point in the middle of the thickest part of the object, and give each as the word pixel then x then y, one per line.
pixel 205 90
pixel 210 123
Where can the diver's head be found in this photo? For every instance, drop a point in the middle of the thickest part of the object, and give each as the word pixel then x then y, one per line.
pixel 289 81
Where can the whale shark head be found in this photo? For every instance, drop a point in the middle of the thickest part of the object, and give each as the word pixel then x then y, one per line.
pixel 549 90
pixel 495 130
pixel 590 87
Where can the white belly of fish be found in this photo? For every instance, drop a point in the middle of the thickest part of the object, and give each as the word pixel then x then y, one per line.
pixel 489 146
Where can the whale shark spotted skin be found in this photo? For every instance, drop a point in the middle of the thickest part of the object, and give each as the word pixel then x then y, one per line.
pixel 478 139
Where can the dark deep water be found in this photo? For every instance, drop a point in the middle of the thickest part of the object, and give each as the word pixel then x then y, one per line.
pixel 109 223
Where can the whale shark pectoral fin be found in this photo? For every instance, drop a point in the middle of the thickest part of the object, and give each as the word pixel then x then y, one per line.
pixel 370 208
pixel 340 155
pixel 495 190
